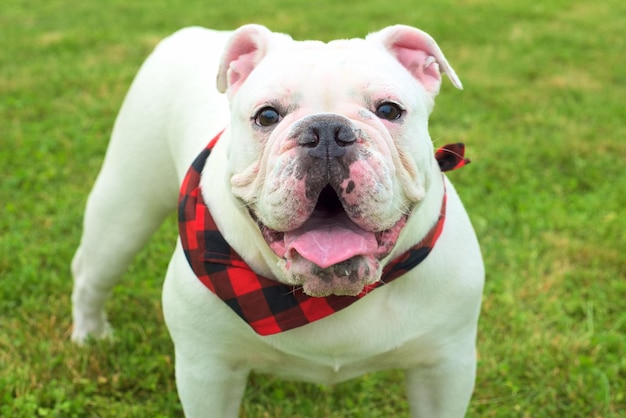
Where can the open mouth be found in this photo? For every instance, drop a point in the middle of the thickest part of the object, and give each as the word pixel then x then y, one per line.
pixel 330 237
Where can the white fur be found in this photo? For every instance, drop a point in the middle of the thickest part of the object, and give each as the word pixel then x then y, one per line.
pixel 424 322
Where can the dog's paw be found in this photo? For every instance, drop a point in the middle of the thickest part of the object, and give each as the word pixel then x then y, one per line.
pixel 84 330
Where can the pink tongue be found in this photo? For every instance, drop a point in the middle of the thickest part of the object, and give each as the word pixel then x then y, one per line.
pixel 328 241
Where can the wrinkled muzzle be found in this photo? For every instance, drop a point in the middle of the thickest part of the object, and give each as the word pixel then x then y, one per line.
pixel 337 239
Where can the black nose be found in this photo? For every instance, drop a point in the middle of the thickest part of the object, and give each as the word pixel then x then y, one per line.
pixel 327 136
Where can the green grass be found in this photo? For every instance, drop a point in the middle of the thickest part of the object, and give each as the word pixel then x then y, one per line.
pixel 542 114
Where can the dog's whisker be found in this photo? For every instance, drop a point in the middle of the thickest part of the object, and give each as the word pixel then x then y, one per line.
pixel 437 140
pixel 246 205
pixel 449 151
pixel 404 209
pixel 294 289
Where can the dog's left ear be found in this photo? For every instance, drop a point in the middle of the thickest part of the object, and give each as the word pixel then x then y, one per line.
pixel 246 48
pixel 418 52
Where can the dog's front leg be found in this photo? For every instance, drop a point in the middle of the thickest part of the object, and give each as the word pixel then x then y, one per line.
pixel 212 345
pixel 121 215
pixel 442 390
pixel 209 391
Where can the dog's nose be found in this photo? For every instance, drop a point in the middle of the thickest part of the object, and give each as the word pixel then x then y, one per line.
pixel 327 137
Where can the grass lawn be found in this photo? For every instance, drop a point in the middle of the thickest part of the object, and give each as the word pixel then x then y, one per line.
pixel 543 116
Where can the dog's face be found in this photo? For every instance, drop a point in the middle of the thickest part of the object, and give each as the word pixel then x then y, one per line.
pixel 330 149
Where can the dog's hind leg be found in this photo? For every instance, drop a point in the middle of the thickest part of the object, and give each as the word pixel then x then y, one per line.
pixel 124 209
pixel 117 225
pixel 171 112
pixel 444 389
pixel 134 192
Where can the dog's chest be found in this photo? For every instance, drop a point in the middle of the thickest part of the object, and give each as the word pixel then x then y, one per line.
pixel 365 338
pixel 329 368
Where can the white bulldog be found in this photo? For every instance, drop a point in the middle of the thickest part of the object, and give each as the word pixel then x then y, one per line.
pixel 319 239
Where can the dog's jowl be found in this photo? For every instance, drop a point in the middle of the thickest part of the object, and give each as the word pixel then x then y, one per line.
pixel 318 237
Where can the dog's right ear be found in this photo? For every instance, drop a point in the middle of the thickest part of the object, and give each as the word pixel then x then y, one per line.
pixel 245 49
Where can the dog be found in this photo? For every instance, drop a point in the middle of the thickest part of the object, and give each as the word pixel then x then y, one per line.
pixel 319 239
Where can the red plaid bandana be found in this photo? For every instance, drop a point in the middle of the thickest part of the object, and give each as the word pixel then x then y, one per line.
pixel 269 306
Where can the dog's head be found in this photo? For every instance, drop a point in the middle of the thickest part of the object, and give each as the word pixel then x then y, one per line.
pixel 330 150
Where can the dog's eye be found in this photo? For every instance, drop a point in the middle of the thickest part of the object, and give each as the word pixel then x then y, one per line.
pixel 389 111
pixel 267 116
